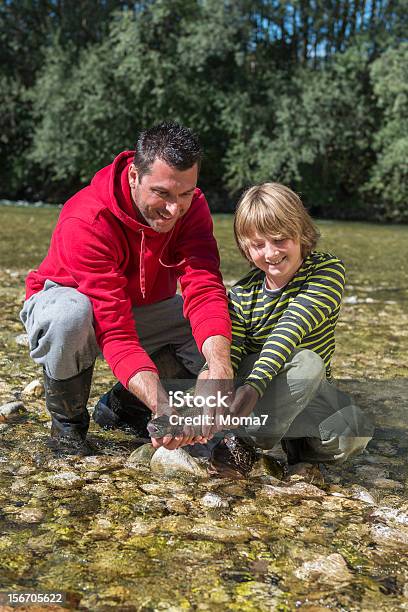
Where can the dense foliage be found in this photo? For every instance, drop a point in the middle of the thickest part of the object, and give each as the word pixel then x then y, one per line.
pixel 310 92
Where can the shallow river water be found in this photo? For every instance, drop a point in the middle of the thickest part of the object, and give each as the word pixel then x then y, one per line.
pixel 112 535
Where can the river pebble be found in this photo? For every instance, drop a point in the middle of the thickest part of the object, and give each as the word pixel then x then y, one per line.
pixel 34 389
pixel 11 410
pixel 22 340
pixel 391 514
pixel 141 456
pixel 174 462
pixel 65 480
pixel 370 472
pixel 330 569
pixel 212 500
pixel 387 483
pixel 303 490
pixel 220 534
pixel 30 515
pixel 390 536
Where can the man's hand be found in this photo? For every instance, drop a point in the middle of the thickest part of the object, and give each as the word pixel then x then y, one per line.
pixel 245 400
pixel 147 387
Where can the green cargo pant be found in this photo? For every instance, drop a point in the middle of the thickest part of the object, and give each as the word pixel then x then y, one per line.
pixel 315 421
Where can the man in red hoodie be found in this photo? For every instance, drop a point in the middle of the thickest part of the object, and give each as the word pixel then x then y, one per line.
pixel 109 282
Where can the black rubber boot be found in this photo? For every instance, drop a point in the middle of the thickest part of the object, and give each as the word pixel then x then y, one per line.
pixel 66 402
pixel 120 409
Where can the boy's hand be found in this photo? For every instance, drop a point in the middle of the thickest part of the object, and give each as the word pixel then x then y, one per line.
pixel 245 400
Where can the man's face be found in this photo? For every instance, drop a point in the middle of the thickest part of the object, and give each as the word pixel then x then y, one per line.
pixel 278 256
pixel 164 195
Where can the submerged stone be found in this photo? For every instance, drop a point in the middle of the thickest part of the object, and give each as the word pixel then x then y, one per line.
pixel 330 569
pixel 387 483
pixel 390 536
pixel 11 410
pixel 267 465
pixel 307 472
pixel 34 389
pixel 65 480
pixel 302 490
pixel 141 456
pixel 220 534
pixel 212 500
pixel 30 515
pixel 174 462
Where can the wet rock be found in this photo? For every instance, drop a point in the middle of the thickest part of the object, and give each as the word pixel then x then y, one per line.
pixel 307 472
pixel 34 389
pixel 267 465
pixel 370 472
pixel 302 490
pixel 212 500
pixel 30 515
pixel 65 480
pixel 361 494
pixel 143 527
pixel 176 462
pixel 177 506
pixel 387 483
pixel 390 537
pixel 11 411
pixel 220 534
pixel 141 456
pixel 20 486
pixel 152 488
pixel 329 570
pixel 393 515
pixel 21 340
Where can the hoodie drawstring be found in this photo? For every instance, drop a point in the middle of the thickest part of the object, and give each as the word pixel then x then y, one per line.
pixel 142 277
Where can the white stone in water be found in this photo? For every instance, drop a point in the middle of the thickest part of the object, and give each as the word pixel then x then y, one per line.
pixel 387 483
pixel 391 514
pixel 332 568
pixel 34 389
pixel 65 480
pixel 303 490
pixel 141 456
pixel 361 494
pixel 173 462
pixel 390 536
pixel 30 515
pixel 22 340
pixel 11 410
pixel 212 500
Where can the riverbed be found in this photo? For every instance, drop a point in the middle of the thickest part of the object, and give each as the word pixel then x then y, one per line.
pixel 111 535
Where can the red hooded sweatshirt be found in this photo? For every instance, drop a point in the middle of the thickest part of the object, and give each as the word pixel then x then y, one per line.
pixel 100 248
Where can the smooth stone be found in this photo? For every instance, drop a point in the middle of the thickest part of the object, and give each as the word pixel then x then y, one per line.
pixel 177 506
pixel 361 494
pixel 30 515
pixel 387 483
pixel 174 462
pixel 34 389
pixel 20 485
pixel 396 515
pixel 332 568
pixel 143 527
pixel 303 490
pixel 22 340
pixel 212 500
pixel 11 410
pixel 370 472
pixel 65 480
pixel 141 456
pixel 390 536
pixel 220 534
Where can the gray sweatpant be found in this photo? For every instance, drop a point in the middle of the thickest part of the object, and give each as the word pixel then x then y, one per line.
pixel 316 420
pixel 59 325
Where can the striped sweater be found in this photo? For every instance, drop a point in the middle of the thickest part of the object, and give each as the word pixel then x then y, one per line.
pixel 303 315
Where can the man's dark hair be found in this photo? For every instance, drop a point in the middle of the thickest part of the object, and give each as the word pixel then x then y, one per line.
pixel 174 144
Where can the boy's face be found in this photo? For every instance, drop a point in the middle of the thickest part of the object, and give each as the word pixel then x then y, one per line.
pixel 279 257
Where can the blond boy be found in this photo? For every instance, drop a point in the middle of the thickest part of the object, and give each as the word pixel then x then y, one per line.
pixel 284 314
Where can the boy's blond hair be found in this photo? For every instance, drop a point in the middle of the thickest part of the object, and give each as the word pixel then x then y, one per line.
pixel 271 209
